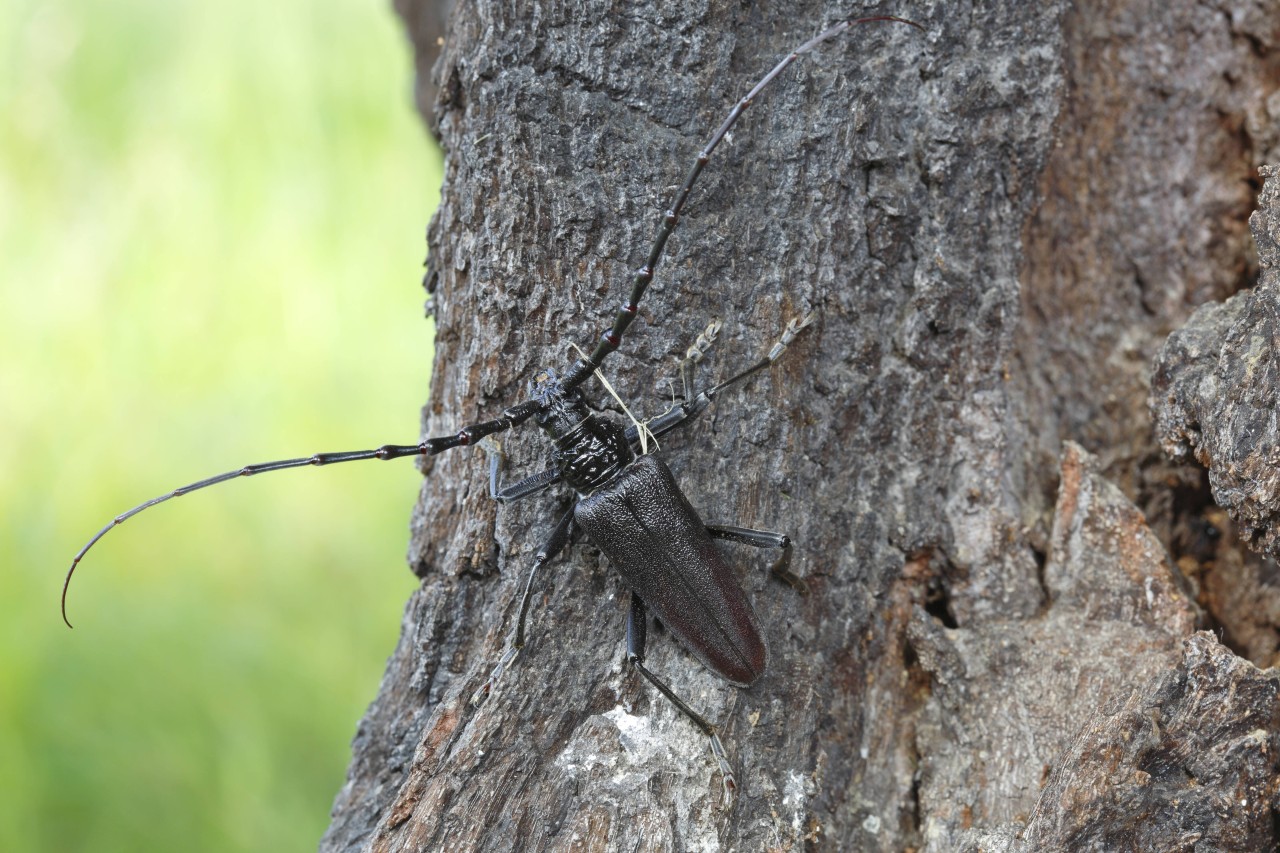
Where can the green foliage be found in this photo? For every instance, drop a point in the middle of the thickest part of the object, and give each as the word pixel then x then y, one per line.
pixel 211 220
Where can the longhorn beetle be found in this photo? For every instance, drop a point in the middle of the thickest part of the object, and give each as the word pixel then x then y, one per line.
pixel 628 504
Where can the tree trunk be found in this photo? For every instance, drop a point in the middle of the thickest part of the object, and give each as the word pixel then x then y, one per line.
pixel 996 224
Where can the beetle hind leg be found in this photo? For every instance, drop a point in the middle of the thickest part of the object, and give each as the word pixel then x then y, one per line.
pixel 764 539
pixel 637 631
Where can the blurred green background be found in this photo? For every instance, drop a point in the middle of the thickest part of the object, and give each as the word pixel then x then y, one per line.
pixel 211 231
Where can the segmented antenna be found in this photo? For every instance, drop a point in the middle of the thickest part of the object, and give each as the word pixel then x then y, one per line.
pixel 388 451
pixel 580 370
pixel 612 338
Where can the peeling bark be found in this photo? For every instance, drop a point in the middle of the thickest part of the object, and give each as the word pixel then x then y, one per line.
pixel 1190 762
pixel 1216 389
pixel 1009 695
pixel 997 224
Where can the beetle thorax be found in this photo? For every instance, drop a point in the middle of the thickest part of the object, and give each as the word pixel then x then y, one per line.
pixel 589 449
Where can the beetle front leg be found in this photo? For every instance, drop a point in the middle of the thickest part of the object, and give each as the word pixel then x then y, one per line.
pixel 497 461
pixel 694 354
pixel 524 488
pixel 764 539
pixel 527 487
pixel 637 632
pixel 554 545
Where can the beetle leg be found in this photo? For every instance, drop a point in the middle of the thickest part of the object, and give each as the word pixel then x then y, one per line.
pixel 527 487
pixel 497 460
pixel 554 545
pixel 764 539
pixel 680 415
pixel 522 489
pixel 637 631
pixel 694 354
pixel 794 327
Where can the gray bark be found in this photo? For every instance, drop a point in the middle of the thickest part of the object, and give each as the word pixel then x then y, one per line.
pixel 1215 389
pixel 997 224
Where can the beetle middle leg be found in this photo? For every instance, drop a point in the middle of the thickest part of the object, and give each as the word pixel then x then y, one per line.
pixel 637 633
pixel 553 546
pixel 764 539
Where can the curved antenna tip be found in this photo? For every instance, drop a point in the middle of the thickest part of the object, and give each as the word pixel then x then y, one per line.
pixel 880 18
pixel 65 585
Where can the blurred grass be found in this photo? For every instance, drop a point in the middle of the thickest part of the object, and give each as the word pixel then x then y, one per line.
pixel 211 221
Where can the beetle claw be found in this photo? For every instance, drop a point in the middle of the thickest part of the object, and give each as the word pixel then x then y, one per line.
pixel 482 693
pixel 727 779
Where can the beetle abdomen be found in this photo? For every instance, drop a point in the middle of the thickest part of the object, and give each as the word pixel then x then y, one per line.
pixel 645 526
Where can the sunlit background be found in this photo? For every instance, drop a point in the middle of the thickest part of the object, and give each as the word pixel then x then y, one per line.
pixel 211 231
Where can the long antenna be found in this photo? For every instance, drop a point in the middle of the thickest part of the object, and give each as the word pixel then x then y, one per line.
pixel 612 338
pixel 576 374
pixel 387 451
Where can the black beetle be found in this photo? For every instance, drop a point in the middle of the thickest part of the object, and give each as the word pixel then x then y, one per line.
pixel 629 505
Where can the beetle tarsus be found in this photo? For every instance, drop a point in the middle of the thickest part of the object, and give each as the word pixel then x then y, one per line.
pixel 695 353
pixel 482 693
pixel 728 781
pixel 497 461
pixel 794 326
pixel 781 569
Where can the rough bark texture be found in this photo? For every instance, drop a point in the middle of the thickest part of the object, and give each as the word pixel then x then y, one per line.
pixel 997 224
pixel 1216 389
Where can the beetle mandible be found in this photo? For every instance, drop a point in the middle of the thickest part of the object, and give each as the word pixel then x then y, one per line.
pixel 628 504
